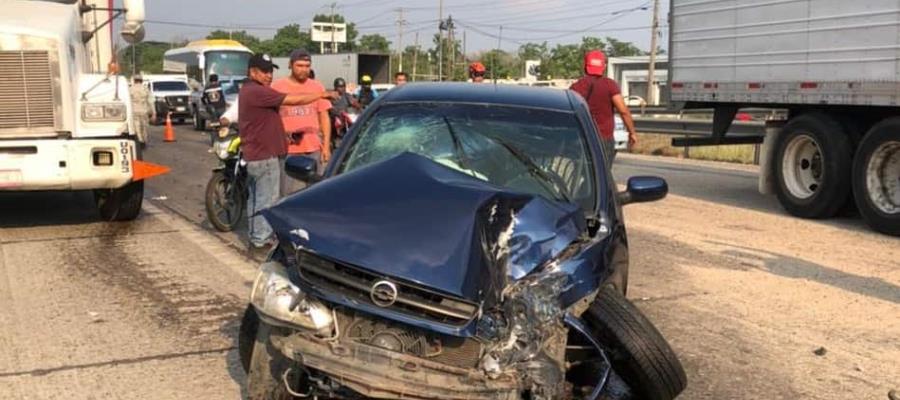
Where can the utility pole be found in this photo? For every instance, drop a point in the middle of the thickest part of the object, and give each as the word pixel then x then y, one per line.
pixel 464 59
pixel 415 57
pixel 651 69
pixel 400 23
pixel 452 44
pixel 333 44
pixel 440 40
pixel 496 53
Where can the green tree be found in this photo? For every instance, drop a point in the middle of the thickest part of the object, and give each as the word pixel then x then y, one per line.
pixel 532 51
pixel 450 48
pixel 500 64
pixel 617 48
pixel 374 42
pixel 565 62
pixel 352 33
pixel 286 39
pixel 148 57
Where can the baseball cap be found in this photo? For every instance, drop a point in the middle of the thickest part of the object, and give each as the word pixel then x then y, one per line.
pixel 595 62
pixel 261 61
pixel 300 54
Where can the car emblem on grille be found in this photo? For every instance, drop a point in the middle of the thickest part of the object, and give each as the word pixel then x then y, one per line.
pixel 383 293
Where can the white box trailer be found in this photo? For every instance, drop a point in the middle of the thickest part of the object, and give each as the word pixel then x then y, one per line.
pixel 834 65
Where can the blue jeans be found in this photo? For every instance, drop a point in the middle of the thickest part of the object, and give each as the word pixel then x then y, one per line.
pixel 264 186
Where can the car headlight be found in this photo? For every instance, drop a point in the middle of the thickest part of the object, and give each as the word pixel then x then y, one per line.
pixel 275 297
pixel 103 112
pixel 222 149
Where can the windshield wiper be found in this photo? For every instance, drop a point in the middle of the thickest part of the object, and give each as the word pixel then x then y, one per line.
pixel 457 144
pixel 532 168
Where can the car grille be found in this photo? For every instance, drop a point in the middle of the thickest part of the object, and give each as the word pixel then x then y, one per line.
pixel 26 90
pixel 357 284
pixel 444 349
pixel 176 101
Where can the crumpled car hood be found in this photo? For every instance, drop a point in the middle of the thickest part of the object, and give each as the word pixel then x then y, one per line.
pixel 412 219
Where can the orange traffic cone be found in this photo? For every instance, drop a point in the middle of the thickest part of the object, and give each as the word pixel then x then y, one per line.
pixel 169 135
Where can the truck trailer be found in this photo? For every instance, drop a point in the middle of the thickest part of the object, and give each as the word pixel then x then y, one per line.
pixel 832 65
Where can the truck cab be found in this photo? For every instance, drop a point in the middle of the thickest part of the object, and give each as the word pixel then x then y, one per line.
pixel 64 123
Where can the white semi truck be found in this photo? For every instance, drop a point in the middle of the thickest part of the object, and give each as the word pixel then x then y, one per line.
pixel 834 65
pixel 65 119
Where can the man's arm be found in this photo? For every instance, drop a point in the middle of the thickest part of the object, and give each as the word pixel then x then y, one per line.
pixel 619 104
pixel 325 125
pixel 303 99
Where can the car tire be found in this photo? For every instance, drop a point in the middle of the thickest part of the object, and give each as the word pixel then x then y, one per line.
pixel 264 380
pixel 812 166
pixel 247 336
pixel 638 352
pixel 876 177
pixel 122 204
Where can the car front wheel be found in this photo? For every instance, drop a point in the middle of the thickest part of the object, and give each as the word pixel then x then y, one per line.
pixel 638 352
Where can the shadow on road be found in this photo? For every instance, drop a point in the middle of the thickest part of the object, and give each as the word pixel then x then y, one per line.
pixel 796 268
pixel 27 209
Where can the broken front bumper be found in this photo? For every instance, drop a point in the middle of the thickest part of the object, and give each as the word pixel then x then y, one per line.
pixel 380 373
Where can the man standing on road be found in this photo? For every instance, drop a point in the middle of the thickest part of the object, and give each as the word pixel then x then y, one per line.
pixel 213 98
pixel 142 110
pixel 263 142
pixel 304 123
pixel 602 94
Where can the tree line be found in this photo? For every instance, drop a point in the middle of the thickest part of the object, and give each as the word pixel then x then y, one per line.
pixel 559 61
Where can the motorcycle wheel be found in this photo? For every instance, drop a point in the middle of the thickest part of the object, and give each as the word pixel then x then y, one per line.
pixel 224 202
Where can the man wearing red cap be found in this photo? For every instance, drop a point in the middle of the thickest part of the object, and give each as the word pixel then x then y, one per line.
pixel 602 94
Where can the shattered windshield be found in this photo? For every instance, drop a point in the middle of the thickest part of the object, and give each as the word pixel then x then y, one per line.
pixel 535 151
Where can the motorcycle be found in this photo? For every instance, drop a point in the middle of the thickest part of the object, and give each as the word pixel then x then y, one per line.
pixel 342 123
pixel 226 191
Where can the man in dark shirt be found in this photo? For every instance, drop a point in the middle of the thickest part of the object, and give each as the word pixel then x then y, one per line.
pixel 263 141
pixel 214 98
pixel 602 94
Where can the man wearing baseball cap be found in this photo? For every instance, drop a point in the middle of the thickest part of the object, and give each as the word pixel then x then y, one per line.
pixel 602 94
pixel 303 123
pixel 262 141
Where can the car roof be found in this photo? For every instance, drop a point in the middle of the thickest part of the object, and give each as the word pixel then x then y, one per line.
pixel 485 93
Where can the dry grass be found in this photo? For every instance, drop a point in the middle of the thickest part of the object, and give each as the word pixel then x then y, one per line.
pixel 661 145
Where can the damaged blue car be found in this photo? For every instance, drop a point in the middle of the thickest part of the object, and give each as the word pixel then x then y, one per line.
pixel 465 242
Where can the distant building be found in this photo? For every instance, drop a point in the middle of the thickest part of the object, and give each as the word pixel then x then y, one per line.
pixel 631 74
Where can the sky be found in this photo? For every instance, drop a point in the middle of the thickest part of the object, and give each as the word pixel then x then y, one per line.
pixel 554 21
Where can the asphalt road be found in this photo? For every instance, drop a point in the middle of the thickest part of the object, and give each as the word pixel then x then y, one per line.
pixel 746 295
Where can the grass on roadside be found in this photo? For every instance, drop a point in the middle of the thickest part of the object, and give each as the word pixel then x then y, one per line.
pixel 661 145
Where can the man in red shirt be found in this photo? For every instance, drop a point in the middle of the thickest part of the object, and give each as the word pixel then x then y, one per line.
pixel 262 141
pixel 602 94
pixel 303 123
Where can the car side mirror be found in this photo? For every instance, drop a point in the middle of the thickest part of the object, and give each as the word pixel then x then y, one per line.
pixel 642 189
pixel 302 168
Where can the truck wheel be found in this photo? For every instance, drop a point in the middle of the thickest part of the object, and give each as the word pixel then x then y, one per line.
pixel 264 381
pixel 812 166
pixel 122 204
pixel 638 352
pixel 876 177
